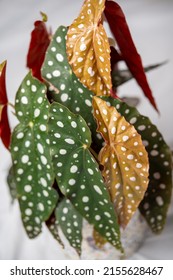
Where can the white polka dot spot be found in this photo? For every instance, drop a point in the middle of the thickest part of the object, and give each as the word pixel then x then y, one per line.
pixel 64 97
pixel 24 100
pixel 130 157
pixel 73 169
pixel 33 88
pixel 56 73
pixel 42 127
pixel 28 212
pixel 25 158
pixel 59 57
pixel 90 171
pixel 36 112
pixel 20 135
pixel 41 206
pixel 159 201
pixel 43 159
pixel 69 141
pixel 125 138
pixel 72 182
pixel 62 151
pixel 85 199
pixel 60 124
pixel 73 124
pixel 40 148
pixel 27 188
pixel 97 189
pixel 43 182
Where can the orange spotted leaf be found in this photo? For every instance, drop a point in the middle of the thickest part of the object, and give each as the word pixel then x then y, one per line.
pixel 124 160
pixel 88 48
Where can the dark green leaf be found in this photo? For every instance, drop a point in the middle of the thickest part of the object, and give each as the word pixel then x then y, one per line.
pixel 155 204
pixel 12 184
pixel 30 150
pixel 53 225
pixel 120 77
pixel 70 222
pixel 64 85
pixel 77 172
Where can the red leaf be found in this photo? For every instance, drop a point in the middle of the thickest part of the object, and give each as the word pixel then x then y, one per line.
pixel 3 92
pixel 5 133
pixel 40 39
pixel 120 29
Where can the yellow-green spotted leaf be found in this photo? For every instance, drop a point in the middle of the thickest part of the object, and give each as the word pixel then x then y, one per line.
pixel 77 172
pixel 124 160
pixel 157 198
pixel 88 48
pixel 31 157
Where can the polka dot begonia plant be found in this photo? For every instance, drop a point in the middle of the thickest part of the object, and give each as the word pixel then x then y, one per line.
pixel 78 151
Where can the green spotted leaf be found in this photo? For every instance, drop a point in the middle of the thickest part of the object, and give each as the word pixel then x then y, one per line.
pixel 65 87
pixel 12 184
pixel 53 226
pixel 120 77
pixel 31 157
pixel 157 198
pixel 77 172
pixel 70 222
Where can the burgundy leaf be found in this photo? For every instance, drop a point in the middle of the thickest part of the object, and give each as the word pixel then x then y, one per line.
pixel 115 58
pixel 40 39
pixel 121 32
pixel 5 133
pixel 3 92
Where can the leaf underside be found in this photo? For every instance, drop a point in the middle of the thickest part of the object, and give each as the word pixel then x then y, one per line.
pixel 124 160
pixel 77 172
pixel 30 151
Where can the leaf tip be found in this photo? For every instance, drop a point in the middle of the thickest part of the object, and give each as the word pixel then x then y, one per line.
pixel 44 16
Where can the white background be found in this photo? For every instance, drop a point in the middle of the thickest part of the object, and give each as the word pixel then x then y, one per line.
pixel 151 24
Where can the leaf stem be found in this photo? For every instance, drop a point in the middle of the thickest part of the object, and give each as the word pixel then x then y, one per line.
pixel 11 105
pixel 94 154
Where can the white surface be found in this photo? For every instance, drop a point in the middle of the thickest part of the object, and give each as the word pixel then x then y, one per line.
pixel 151 24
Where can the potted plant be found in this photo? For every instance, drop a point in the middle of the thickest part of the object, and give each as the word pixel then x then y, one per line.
pixel 79 152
